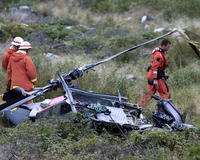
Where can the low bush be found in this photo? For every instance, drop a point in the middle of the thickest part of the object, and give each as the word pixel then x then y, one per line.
pixel 125 41
pixel 14 30
pixel 193 152
pixel 14 3
pixel 90 45
pixel 55 31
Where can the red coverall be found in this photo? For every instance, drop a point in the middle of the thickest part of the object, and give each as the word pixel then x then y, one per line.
pixel 22 71
pixel 5 61
pixel 156 77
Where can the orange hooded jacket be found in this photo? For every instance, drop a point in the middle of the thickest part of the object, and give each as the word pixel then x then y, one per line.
pixel 22 71
pixel 159 61
pixel 5 60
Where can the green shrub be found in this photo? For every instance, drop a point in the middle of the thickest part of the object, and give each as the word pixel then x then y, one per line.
pixel 193 152
pixel 160 153
pixel 14 3
pixel 189 8
pixel 89 44
pixel 124 41
pixel 72 138
pixel 103 6
pixel 76 128
pixel 123 6
pixel 126 58
pixel 96 5
pixel 121 43
pixel 55 31
pixel 156 4
pixel 150 35
pixel 169 14
pixel 14 30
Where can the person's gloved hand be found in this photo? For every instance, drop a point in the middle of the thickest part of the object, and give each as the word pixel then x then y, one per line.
pixel 155 83
pixel 166 76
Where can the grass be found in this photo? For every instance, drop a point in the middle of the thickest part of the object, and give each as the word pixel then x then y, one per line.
pixel 106 5
pixel 47 139
pixel 11 3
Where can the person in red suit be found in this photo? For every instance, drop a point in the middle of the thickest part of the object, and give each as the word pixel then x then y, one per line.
pixel 156 75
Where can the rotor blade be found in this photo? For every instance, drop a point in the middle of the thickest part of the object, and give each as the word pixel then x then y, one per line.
pixel 127 50
pixel 68 93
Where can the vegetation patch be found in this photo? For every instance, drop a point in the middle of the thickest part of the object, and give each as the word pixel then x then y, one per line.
pixel 14 3
pixel 185 77
pixel 106 5
pixel 55 31
pixel 172 9
pixel 14 30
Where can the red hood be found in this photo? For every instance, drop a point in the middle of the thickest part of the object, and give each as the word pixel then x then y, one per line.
pixel 159 50
pixel 17 56
pixel 11 50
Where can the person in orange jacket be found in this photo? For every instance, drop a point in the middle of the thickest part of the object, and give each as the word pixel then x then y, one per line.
pixel 21 68
pixel 156 75
pixel 6 57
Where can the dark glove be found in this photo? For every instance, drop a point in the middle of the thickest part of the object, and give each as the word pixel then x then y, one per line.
pixel 166 76
pixel 148 68
pixel 150 82
pixel 160 74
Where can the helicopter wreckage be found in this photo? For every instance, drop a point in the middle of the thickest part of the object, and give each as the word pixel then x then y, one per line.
pixel 112 112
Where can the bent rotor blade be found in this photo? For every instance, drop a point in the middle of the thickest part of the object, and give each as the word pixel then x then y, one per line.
pixel 68 93
pixel 127 50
